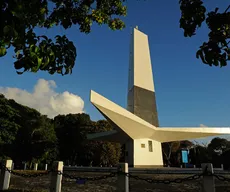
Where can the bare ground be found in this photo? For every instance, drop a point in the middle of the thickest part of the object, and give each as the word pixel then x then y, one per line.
pixel 41 184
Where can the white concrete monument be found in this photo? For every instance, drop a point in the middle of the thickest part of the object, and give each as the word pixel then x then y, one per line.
pixel 138 127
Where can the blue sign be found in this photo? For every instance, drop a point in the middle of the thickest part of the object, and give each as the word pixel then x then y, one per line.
pixel 184 156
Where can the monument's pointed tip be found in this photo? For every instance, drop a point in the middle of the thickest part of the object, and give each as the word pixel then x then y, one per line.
pixel 140 70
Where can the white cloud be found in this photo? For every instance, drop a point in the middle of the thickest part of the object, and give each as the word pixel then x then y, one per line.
pixel 45 99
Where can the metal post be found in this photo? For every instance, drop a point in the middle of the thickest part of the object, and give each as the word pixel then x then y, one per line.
pixel 46 167
pixel 35 166
pixel 122 178
pixel 222 166
pixel 208 180
pixel 5 175
pixel 56 177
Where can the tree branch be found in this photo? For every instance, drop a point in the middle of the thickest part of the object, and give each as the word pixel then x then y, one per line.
pixel 227 9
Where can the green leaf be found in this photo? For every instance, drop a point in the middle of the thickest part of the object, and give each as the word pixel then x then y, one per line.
pixel 216 63
pixel 47 61
pixel 52 56
pixel 33 55
pixel 2 51
pixel 223 63
pixel 34 69
pixel 32 48
pixel 43 10
pixel 58 37
pixel 18 64
pixel 67 70
pixel 51 72
pixel 36 49
pixel 208 58
pixel 200 54
pixel 39 62
pixel 6 29
pixel 44 37
pixel 19 73
pixel 15 33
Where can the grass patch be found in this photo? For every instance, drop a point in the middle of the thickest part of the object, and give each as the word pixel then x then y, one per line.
pixel 30 171
pixel 23 190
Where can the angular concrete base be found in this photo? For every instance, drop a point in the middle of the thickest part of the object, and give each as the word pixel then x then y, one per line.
pixel 144 152
pixel 134 131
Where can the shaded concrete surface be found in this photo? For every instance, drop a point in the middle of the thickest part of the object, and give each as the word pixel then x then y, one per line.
pixel 142 103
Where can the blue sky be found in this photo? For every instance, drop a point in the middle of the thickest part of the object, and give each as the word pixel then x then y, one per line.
pixel 188 92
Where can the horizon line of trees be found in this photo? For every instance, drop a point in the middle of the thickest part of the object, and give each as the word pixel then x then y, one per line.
pixel 28 136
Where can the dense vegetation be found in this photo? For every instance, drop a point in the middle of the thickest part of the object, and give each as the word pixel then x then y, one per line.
pixel 28 136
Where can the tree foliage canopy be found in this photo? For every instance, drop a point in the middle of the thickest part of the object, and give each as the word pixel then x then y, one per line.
pixel 28 136
pixel 33 52
pixel 20 18
pixel 216 50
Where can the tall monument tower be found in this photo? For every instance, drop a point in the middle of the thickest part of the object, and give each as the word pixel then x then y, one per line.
pixel 137 126
pixel 141 100
pixel 141 92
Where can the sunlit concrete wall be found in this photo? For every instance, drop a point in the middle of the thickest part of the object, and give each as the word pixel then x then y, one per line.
pixel 140 62
pixel 143 157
